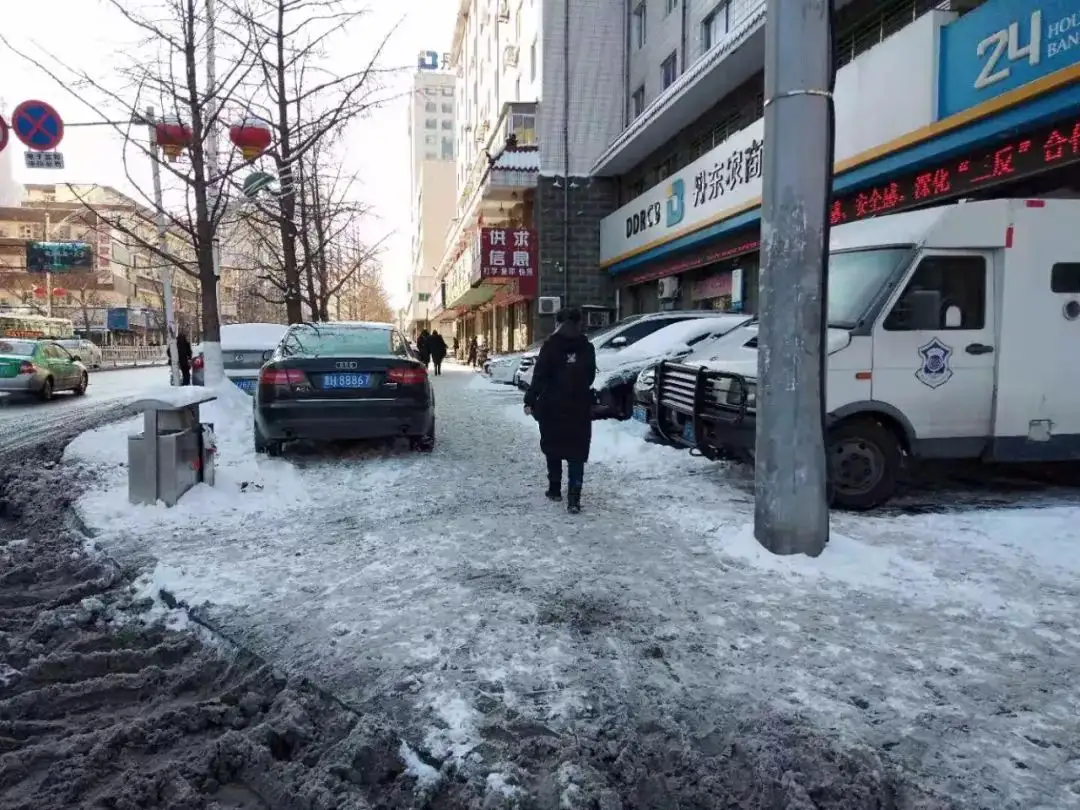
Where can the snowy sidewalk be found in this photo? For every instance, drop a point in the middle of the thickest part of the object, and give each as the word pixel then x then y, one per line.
pixel 446 592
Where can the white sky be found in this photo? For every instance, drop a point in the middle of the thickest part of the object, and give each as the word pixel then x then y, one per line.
pixel 86 34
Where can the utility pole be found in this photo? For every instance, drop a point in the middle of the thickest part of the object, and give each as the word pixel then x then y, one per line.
pixel 165 273
pixel 791 514
pixel 212 147
pixel 48 273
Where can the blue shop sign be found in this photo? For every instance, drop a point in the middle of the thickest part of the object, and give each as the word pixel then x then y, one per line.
pixel 1003 45
pixel 118 319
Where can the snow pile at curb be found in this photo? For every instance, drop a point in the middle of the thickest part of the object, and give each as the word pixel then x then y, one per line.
pixel 247 489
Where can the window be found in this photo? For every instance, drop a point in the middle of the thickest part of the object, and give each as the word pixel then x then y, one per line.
pixel 517 89
pixel 431 123
pixel 448 148
pixel 671 5
pixel 637 102
pixel 640 32
pixel 632 334
pixel 26 231
pixel 665 169
pixel 532 61
pixel 636 189
pixel 715 26
pixel 430 139
pixel 1065 277
pixel 399 346
pixel 669 68
pixel 448 91
pixel 946 292
pixel 430 106
pixel 448 124
pixel 448 108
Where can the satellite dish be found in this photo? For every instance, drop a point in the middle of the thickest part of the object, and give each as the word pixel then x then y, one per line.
pixel 258 181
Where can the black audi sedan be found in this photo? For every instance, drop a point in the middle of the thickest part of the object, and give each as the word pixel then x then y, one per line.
pixel 343 381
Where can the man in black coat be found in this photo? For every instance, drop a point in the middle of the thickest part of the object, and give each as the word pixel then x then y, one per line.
pixel 561 399
pixel 437 348
pixel 183 357
pixel 422 347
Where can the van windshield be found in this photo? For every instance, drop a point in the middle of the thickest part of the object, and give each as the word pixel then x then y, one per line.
pixel 855 278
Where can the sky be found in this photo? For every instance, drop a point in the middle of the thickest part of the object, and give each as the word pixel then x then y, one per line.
pixel 90 35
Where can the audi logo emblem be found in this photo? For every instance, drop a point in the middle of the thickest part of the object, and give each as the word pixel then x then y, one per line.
pixel 346 364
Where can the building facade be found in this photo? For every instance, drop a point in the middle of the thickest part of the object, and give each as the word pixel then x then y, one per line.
pixel 538 100
pixel 934 102
pixel 432 134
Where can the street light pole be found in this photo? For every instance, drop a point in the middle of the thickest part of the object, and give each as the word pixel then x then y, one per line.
pixel 791 514
pixel 48 273
pixel 165 273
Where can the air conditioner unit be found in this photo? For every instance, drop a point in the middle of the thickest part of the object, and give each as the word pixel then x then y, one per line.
pixel 594 318
pixel 669 288
pixel 510 55
pixel 548 304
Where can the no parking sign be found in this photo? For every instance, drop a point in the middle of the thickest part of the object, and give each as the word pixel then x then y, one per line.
pixel 3 133
pixel 38 125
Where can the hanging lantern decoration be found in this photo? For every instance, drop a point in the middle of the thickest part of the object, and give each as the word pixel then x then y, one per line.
pixel 59 292
pixel 173 136
pixel 251 137
pixel 39 292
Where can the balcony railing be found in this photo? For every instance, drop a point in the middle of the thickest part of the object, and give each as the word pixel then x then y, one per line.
pixel 518 119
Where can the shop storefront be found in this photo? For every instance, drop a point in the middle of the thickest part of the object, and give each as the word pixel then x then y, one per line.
pixel 973 133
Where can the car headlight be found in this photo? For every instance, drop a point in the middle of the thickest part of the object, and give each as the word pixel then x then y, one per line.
pixel 729 392
pixel 646 379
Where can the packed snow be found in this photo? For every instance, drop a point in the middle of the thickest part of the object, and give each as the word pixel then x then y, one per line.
pixel 445 591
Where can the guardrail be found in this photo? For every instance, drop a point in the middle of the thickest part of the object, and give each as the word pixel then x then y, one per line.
pixel 132 356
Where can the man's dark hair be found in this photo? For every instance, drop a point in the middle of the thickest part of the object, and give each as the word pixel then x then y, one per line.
pixel 568 316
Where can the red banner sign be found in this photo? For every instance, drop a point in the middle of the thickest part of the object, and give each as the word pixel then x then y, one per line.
pixel 507 253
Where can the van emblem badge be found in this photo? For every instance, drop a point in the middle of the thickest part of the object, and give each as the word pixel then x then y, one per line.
pixel 935 371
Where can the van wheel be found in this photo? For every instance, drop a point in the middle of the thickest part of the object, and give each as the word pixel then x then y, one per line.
pixel 864 464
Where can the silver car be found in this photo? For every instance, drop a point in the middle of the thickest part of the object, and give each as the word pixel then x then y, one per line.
pixel 245 347
pixel 39 368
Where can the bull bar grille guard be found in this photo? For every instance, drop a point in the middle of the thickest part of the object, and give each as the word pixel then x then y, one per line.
pixel 692 392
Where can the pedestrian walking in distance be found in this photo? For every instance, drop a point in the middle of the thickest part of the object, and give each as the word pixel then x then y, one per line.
pixel 560 398
pixel 474 350
pixel 422 347
pixel 183 357
pixel 437 348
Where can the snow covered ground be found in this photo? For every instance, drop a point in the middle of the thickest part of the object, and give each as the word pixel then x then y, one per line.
pixel 444 591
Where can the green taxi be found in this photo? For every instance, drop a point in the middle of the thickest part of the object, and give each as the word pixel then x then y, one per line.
pixel 39 368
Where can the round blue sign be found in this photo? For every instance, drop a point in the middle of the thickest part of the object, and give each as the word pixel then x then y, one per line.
pixel 37 125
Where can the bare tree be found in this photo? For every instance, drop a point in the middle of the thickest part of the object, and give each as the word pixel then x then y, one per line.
pixel 165 72
pixel 307 104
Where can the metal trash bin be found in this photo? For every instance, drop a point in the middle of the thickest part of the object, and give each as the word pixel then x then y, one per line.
pixel 174 452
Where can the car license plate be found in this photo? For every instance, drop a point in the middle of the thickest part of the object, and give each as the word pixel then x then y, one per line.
pixel 688 432
pixel 640 414
pixel 338 381
pixel 245 385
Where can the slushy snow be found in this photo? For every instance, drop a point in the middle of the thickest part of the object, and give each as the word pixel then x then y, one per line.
pixel 447 584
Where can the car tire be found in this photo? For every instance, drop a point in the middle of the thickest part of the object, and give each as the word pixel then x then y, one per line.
pixel 268 447
pixel 80 389
pixel 425 443
pixel 47 390
pixel 865 461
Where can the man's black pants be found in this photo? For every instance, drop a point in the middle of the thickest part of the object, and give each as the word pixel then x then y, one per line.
pixel 438 365
pixel 575 473
pixel 185 375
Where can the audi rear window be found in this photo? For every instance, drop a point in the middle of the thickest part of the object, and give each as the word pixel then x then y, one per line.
pixel 337 341
pixel 17 348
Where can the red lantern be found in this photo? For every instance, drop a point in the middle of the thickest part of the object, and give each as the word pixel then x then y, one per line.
pixel 59 292
pixel 173 136
pixel 39 292
pixel 252 137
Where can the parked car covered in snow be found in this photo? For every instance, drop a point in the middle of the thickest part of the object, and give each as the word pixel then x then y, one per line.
pixel 620 335
pixel 503 368
pixel 617 370
pixel 86 351
pixel 244 349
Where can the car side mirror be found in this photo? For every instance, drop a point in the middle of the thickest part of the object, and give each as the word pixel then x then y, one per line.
pixel 268 354
pixel 76 358
pixel 617 342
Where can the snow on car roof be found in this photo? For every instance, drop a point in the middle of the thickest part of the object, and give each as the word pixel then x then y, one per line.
pixel 671 338
pixel 252 335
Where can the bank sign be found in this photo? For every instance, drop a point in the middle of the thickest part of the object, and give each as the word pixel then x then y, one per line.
pixel 1003 45
pixel 725 178
pixel 433 60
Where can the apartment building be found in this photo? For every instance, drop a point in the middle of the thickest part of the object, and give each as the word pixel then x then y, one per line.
pixel 925 113
pixel 538 100
pixel 432 133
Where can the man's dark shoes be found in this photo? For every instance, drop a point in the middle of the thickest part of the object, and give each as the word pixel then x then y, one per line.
pixel 573 501
pixel 554 493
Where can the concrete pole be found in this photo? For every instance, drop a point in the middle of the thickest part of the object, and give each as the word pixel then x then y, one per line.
pixel 48 273
pixel 213 150
pixel 791 514
pixel 165 273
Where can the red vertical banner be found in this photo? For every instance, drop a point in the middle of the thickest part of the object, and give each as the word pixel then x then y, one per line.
pixel 507 253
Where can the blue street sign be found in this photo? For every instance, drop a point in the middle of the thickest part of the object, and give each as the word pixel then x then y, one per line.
pixel 37 125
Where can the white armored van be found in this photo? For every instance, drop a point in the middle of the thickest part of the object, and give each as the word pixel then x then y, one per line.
pixel 954 333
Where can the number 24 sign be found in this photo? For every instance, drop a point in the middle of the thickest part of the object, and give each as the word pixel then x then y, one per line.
pixel 1005 44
